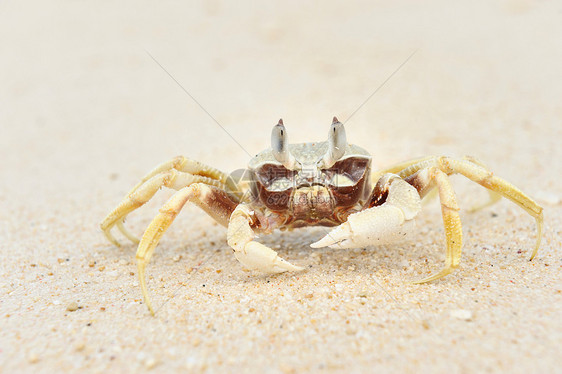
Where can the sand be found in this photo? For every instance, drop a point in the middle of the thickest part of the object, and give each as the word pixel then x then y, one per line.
pixel 85 112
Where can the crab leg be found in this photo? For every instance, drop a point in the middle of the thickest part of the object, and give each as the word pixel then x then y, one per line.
pixel 181 163
pixel 424 181
pixel 389 216
pixel 251 254
pixel 479 174
pixel 211 199
pixel 140 195
pixel 493 197
pixel 394 169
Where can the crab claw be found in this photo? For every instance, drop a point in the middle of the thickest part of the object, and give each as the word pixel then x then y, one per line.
pixel 251 254
pixel 378 225
pixel 335 237
pixel 257 256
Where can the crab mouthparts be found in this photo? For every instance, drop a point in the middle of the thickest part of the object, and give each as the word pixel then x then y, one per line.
pixel 310 175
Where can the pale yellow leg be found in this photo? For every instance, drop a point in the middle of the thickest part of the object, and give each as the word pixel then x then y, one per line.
pixel 185 165
pixel 403 167
pixel 484 177
pixel 181 164
pixel 212 200
pixel 493 197
pixel 126 232
pixel 140 195
pixel 487 179
pixel 394 169
pixel 425 180
pixel 158 227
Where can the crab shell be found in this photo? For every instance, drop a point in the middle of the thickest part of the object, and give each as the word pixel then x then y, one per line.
pixel 310 194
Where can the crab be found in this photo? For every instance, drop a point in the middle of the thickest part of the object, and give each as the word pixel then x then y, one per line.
pixel 327 183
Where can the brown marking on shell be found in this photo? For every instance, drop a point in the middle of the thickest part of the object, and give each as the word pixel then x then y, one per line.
pixel 276 189
pixel 295 224
pixel 307 197
pixel 277 200
pixel 357 169
pixel 380 192
pixel 312 203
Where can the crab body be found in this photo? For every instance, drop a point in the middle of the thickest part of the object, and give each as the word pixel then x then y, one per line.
pixel 327 183
pixel 311 195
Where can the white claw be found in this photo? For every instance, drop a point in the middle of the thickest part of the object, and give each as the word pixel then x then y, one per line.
pixel 338 236
pixel 375 226
pixel 256 256
pixel 380 224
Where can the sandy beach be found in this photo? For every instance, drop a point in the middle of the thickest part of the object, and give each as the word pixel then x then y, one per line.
pixel 93 95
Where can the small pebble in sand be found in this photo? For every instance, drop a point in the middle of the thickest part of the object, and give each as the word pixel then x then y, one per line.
pixel 150 363
pixel 72 307
pixel 463 314
pixel 33 358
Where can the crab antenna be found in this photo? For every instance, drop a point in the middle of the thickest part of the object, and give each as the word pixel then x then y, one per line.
pixel 337 143
pixel 280 145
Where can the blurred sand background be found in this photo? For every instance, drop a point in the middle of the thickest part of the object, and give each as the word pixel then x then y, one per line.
pixel 85 112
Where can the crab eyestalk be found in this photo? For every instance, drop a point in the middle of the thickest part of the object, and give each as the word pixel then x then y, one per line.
pixel 280 146
pixel 337 142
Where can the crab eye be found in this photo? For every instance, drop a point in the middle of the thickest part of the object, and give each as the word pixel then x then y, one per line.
pixel 280 145
pixel 337 143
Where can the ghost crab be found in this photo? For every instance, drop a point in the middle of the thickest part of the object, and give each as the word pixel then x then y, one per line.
pixel 311 184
